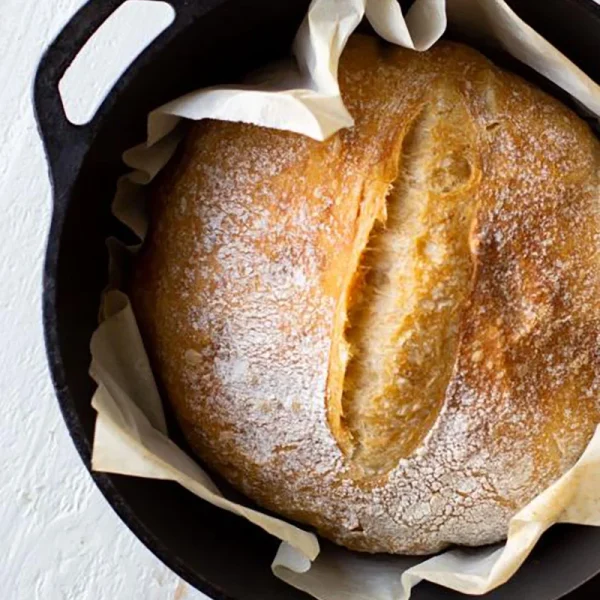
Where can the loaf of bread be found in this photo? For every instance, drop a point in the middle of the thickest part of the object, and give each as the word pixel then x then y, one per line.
pixel 394 335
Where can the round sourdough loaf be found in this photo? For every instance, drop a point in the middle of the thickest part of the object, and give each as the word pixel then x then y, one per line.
pixel 392 335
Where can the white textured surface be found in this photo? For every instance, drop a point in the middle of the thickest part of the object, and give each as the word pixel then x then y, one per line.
pixel 58 536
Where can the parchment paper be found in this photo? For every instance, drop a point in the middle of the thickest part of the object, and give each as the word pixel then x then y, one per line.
pixel 131 436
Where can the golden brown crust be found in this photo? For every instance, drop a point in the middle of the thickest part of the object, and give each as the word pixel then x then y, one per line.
pixel 391 335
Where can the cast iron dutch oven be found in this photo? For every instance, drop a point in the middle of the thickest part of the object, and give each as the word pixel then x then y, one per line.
pixel 219 553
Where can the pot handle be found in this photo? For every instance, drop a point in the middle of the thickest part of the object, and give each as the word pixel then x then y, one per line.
pixel 55 129
pixel 64 142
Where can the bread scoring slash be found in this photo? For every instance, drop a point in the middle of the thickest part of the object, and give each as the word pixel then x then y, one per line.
pixel 392 335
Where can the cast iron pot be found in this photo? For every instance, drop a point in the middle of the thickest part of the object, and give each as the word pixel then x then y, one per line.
pixel 218 553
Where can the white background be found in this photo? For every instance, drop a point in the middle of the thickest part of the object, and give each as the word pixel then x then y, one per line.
pixel 58 537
